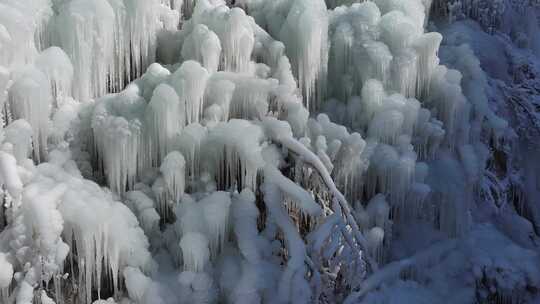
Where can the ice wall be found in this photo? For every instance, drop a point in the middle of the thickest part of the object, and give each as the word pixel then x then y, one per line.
pixel 282 141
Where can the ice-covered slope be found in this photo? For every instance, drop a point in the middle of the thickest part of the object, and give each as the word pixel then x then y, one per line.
pixel 257 151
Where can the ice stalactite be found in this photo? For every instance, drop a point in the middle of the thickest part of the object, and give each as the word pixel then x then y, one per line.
pixel 155 75
pixel 244 214
pixel 189 81
pixel 237 41
pixel 30 99
pixel 137 24
pixel 219 92
pixel 305 35
pixel 9 175
pixel 102 28
pixel 189 144
pixel 352 31
pixel 430 134
pixel 204 46
pixel 233 150
pixel 250 98
pixel 90 44
pixel 426 46
pixel 447 98
pixel 302 28
pixel 379 211
pixel 173 169
pixel 198 287
pixel 116 124
pixel 392 172
pixel 56 65
pixel 451 195
pixel 473 83
pixel 104 232
pixel 143 207
pixel 216 213
pixel 387 39
pixel 375 238
pixel 6 276
pixel 195 251
pixel 233 28
pixel 22 27
pixel 19 134
pixel 164 118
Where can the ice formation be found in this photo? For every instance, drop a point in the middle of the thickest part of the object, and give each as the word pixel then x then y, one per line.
pixel 252 151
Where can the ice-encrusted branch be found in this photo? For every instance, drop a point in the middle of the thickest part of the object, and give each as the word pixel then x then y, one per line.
pixel 284 136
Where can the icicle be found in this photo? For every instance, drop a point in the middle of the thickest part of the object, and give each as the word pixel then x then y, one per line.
pixel 379 210
pixel 116 125
pixel 372 98
pixel 189 81
pixel 405 72
pixel 189 144
pixel 341 56
pixel 143 207
pixel 22 30
pixel 219 92
pixel 189 215
pixel 6 274
pixel 235 153
pixel 30 99
pixel 426 46
pixel 195 251
pixel 398 31
pixel 59 70
pixel 386 126
pixel 216 213
pixel 447 98
pixel 142 22
pixel 375 238
pixel 160 191
pixel 305 35
pixel 245 213
pixel 237 39
pixel 89 44
pixel 136 283
pixel 251 96
pixel 173 170
pixel 416 197
pixel 377 58
pixel 383 160
pixel 19 134
pixel 164 121
pixel 155 75
pixel 204 46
